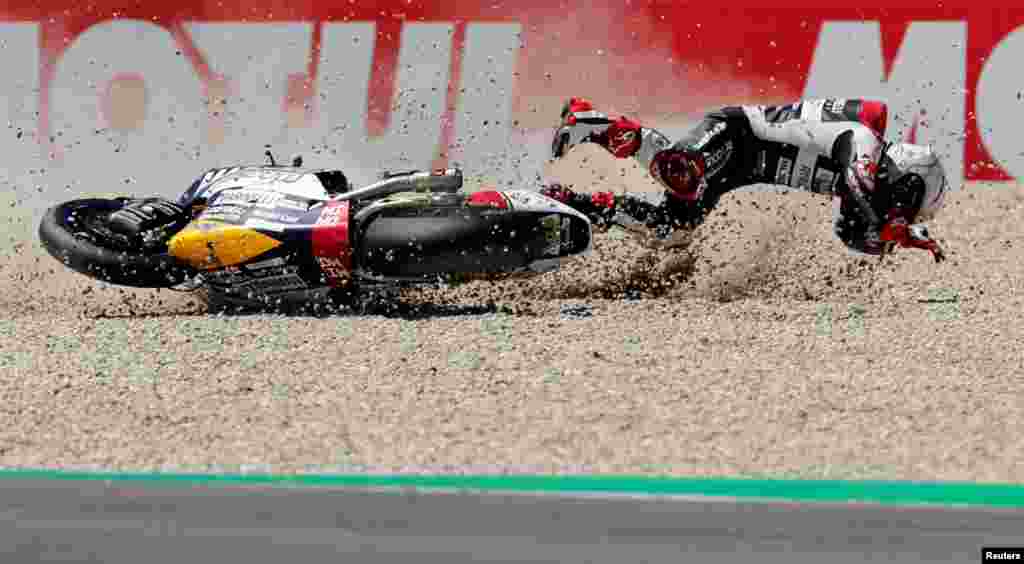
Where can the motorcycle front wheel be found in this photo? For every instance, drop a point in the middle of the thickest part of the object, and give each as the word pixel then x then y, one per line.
pixel 76 233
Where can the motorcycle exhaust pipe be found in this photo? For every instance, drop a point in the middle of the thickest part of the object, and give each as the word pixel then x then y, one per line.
pixel 441 180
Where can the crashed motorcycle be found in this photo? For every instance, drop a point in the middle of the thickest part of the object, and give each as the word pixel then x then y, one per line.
pixel 275 235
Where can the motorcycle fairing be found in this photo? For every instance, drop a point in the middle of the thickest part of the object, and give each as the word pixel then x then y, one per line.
pixel 298 182
pixel 331 241
pixel 251 213
pixel 208 245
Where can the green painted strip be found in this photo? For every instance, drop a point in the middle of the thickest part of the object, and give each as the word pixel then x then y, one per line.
pixel 812 491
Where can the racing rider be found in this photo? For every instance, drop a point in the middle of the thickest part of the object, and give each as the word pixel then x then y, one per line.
pixel 882 192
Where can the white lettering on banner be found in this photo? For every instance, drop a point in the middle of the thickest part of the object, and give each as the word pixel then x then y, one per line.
pixel 19 59
pixel 126 103
pixel 342 94
pixel 421 86
pixel 999 105
pixel 483 125
pixel 152 136
pixel 257 61
pixel 925 88
pixel 127 100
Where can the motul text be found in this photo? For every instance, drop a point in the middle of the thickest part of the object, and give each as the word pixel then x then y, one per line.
pixel 110 96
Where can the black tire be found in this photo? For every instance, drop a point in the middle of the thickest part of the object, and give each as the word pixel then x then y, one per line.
pixel 91 252
pixel 449 240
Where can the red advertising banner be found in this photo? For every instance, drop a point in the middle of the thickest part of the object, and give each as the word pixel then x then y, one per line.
pixel 458 76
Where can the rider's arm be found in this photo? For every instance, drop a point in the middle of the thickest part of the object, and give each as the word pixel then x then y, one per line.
pixel 857 223
pixel 862 226
pixel 671 212
pixel 601 206
pixel 852 228
pixel 652 142
pixel 859 152
pixel 625 138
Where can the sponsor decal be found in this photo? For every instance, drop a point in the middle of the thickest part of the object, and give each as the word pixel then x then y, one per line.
pixel 784 173
pixel 226 213
pixel 717 159
pixel 833 109
pixel 271 175
pixel 332 215
pixel 333 267
pixel 215 180
pixel 302 205
pixel 330 239
pixel 275 216
pixel 824 181
pixel 835 105
pixel 276 202
pixel 709 135
pixel 803 180
pixel 259 197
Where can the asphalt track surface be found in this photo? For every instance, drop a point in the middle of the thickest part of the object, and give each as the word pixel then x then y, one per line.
pixel 94 521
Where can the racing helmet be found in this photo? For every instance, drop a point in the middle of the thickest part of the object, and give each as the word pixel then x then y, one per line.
pixel 916 180
pixel 682 172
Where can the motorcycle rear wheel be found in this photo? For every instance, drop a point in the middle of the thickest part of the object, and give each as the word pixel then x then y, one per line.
pixel 457 240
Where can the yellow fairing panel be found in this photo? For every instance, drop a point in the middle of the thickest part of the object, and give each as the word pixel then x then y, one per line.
pixel 209 244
